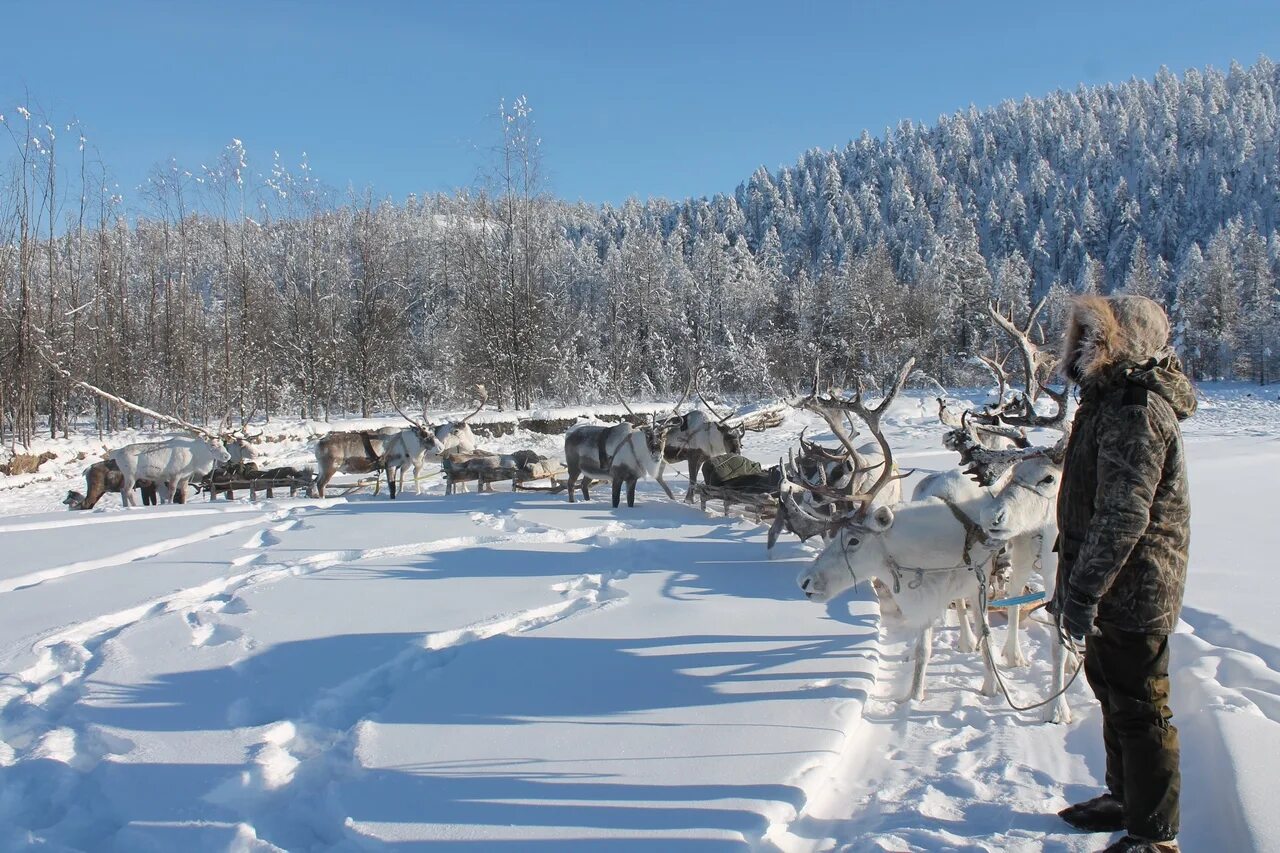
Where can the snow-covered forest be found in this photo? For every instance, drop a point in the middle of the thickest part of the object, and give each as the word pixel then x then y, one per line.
pixel 246 283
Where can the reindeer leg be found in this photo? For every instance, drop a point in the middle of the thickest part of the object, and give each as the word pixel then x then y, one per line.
pixel 572 482
pixel 924 648
pixel 695 462
pixel 617 490
pixel 775 529
pixel 1058 711
pixel 1021 553
pixel 1013 655
pixel 127 498
pixel 665 487
pixel 631 491
pixel 968 642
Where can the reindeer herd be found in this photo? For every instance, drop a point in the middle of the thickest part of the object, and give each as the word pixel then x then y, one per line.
pixel 979 531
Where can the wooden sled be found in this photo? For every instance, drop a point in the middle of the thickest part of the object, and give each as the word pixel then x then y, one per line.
pixel 755 505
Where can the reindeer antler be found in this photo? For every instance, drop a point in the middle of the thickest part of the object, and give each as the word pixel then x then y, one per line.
pixel 483 395
pixel 871 416
pixel 391 392
pixel 1035 361
pixel 1037 365
pixel 719 417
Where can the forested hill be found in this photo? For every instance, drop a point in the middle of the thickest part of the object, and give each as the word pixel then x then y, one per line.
pixel 249 285
pixel 1168 187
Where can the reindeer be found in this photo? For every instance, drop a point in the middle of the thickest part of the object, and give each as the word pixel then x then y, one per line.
pixel 622 453
pixel 360 452
pixel 698 436
pixel 990 442
pixel 170 463
pixel 103 477
pixel 422 439
pixel 931 552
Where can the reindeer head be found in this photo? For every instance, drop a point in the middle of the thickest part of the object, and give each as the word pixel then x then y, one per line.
pixel 655 435
pixel 1024 502
pixel 730 434
pixel 855 552
pixel 221 456
pixel 732 437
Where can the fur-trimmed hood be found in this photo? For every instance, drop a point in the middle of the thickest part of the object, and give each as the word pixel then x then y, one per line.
pixel 1125 336
pixel 1111 331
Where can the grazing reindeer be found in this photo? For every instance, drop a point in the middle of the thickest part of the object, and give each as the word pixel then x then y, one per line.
pixel 103 477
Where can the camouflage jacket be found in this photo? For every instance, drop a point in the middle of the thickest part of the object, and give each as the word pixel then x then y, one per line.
pixel 1124 512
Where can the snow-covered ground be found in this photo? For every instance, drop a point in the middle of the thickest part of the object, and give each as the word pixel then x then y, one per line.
pixel 507 671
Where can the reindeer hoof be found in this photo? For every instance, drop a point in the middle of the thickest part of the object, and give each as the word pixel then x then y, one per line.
pixel 1016 660
pixel 1059 713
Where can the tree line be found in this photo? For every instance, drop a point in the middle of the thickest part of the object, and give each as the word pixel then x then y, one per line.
pixel 256 290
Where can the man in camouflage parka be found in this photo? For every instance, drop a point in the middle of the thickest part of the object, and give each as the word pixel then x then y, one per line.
pixel 1124 530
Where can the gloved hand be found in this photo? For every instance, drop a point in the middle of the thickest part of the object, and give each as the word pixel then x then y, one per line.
pixel 1078 612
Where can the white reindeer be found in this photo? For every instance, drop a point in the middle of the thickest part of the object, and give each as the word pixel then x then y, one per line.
pixel 1022 519
pixel 930 552
pixel 171 463
pixel 422 440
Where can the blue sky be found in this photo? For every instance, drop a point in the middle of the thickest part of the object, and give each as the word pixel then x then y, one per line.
pixel 648 99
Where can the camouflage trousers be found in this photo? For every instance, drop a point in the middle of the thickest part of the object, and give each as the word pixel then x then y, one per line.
pixel 1129 673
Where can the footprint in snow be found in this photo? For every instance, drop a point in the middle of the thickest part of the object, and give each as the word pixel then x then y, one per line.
pixel 206 630
pixel 262 539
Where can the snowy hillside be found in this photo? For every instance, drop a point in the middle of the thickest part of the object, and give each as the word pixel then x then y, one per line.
pixel 510 672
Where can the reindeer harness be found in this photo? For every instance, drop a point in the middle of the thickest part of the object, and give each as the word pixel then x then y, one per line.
pixel 378 461
pixel 974 536
pixel 602 449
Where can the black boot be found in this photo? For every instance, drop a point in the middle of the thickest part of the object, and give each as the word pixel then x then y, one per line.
pixel 1133 844
pixel 1101 814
